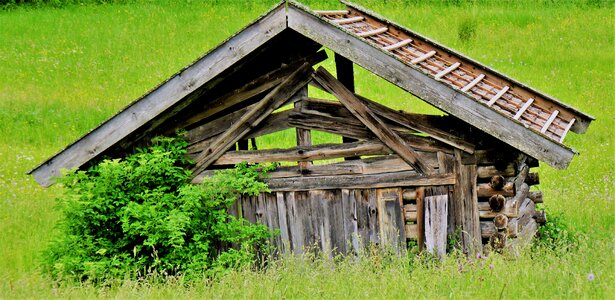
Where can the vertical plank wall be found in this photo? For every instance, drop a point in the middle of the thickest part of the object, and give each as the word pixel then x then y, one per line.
pixel 336 221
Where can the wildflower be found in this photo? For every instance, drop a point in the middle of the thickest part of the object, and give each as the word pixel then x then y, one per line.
pixel 590 276
pixel 491 266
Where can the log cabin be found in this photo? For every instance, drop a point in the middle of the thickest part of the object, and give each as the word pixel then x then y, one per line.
pixel 394 176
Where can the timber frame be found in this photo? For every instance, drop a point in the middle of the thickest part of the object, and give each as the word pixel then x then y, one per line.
pixel 403 176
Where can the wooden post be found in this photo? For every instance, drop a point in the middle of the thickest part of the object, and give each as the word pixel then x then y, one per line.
pixel 465 199
pixel 420 217
pixel 345 74
pixel 304 136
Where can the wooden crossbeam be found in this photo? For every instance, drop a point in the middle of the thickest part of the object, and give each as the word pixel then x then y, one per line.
pixel 549 121
pixel 523 108
pixel 305 153
pixel 448 70
pixel 423 57
pixel 407 178
pixel 498 95
pixel 397 45
pixel 272 101
pixel 365 34
pixel 473 83
pixel 348 20
pixel 370 120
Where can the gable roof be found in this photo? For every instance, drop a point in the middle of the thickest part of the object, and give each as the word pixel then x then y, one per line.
pixel 422 67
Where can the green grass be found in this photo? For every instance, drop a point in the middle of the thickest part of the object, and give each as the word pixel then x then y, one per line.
pixel 64 70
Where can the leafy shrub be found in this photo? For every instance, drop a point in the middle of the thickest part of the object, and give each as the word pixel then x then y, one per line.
pixel 140 216
pixel 556 235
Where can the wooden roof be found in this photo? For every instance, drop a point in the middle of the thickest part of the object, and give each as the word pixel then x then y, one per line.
pixel 506 109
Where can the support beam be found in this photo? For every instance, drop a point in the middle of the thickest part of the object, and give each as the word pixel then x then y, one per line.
pixel 345 74
pixel 252 118
pixel 371 121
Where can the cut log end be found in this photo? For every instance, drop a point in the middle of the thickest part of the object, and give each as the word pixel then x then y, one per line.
pixel 536 197
pixel 497 182
pixel 540 216
pixel 498 241
pixel 496 203
pixel 500 221
pixel 532 179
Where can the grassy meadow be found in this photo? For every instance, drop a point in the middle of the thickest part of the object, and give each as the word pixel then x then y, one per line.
pixel 63 70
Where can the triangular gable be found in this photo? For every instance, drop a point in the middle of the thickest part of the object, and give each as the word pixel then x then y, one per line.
pixel 358 46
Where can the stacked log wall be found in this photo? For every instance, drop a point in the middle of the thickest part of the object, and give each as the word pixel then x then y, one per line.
pixel 507 207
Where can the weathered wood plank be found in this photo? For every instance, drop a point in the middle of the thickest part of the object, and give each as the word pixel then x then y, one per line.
pixel 374 223
pixel 374 165
pixel 163 97
pixel 255 116
pixel 318 152
pixel 465 200
pixel 359 181
pixel 420 217
pixel 390 217
pixel 436 213
pixel 350 221
pixel 433 91
pixel 367 117
pixel 295 223
pixel 283 222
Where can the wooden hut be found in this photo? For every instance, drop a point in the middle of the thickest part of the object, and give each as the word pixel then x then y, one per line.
pixel 394 176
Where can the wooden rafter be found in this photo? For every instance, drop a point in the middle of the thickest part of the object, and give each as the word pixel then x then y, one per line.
pixel 370 120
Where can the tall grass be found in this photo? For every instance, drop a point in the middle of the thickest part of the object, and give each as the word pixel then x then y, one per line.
pixel 64 70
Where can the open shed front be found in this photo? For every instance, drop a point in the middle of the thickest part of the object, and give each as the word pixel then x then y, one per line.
pixel 393 176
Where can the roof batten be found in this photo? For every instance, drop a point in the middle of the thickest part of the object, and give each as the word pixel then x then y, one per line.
pixel 498 95
pixel 424 57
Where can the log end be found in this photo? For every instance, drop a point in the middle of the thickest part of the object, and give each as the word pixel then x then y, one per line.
pixel 500 221
pixel 496 203
pixel 532 179
pixel 540 216
pixel 497 182
pixel 498 241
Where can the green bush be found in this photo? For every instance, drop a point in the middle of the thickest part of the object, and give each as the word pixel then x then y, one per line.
pixel 140 216
pixel 556 235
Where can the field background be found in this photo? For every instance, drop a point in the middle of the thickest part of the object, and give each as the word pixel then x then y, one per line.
pixel 66 68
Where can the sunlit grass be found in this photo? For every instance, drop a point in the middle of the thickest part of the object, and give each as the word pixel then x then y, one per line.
pixel 63 71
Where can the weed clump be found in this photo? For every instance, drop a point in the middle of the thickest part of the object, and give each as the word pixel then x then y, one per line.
pixel 555 235
pixel 140 216
pixel 467 30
